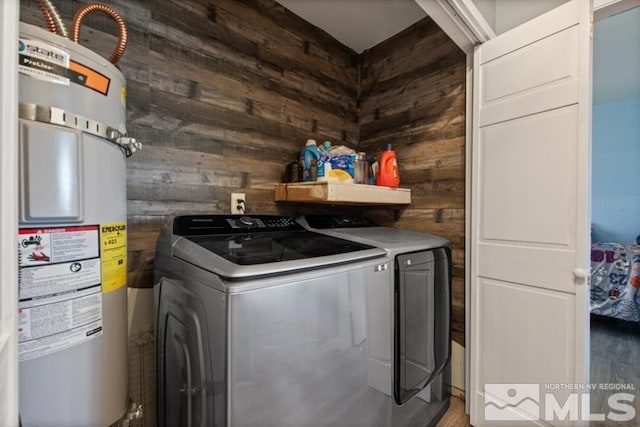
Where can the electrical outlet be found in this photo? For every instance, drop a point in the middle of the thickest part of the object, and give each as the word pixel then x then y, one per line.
pixel 238 203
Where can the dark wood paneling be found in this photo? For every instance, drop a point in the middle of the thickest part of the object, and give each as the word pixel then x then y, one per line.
pixel 224 93
pixel 412 94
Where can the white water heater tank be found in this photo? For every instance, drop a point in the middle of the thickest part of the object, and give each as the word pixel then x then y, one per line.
pixel 72 240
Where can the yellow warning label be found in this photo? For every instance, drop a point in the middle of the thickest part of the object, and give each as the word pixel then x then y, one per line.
pixel 123 95
pixel 113 251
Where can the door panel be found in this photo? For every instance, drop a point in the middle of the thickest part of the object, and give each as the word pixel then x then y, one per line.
pixel 534 78
pixel 537 29
pixel 530 216
pixel 510 334
pixel 514 350
pixel 528 176
pixel 554 269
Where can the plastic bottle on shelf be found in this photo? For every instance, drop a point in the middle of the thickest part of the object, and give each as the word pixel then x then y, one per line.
pixel 309 157
pixel 388 175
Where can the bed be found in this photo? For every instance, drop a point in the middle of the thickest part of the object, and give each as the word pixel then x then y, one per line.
pixel 615 279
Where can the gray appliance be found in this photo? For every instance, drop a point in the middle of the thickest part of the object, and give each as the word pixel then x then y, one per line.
pixel 420 276
pixel 261 322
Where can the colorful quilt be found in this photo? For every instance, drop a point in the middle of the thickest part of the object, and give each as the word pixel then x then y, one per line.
pixel 615 279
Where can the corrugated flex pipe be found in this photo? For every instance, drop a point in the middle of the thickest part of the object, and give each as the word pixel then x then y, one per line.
pixel 98 7
pixel 51 15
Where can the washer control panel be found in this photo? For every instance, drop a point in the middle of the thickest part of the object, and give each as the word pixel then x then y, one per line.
pixel 192 225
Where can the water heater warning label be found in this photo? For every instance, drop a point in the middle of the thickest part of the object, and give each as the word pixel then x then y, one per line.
pixel 60 298
pixel 42 246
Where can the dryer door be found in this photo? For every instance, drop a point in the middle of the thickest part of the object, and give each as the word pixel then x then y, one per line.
pixel 422 341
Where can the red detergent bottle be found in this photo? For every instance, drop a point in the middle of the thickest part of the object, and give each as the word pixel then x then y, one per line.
pixel 388 175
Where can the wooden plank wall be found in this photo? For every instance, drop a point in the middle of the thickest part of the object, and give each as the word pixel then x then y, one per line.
pixel 222 94
pixel 412 95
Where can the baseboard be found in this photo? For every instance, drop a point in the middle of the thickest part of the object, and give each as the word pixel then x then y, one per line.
pixel 457 392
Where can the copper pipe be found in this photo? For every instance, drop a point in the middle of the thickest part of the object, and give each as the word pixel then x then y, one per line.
pixel 98 7
pixel 51 25
pixel 51 15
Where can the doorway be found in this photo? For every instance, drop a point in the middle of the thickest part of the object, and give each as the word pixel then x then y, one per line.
pixel 615 201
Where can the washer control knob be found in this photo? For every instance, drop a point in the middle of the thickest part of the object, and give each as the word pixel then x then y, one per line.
pixel 247 220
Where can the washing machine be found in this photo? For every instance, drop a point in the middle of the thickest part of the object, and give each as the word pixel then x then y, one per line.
pixel 419 283
pixel 261 322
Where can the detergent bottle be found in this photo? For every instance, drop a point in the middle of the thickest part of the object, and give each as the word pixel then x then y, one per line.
pixel 388 175
pixel 309 157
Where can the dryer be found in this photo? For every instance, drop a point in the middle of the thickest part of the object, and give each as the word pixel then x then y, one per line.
pixel 262 322
pixel 419 283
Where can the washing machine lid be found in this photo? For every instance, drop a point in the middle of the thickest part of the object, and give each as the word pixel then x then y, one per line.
pixel 240 247
pixel 363 230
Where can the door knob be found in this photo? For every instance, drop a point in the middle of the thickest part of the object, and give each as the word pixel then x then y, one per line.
pixel 579 274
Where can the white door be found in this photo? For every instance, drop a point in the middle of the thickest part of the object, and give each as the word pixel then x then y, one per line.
pixel 8 214
pixel 530 217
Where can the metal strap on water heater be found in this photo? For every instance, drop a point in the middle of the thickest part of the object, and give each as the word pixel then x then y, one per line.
pixel 58 116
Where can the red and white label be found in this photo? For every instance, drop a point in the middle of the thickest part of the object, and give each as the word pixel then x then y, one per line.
pixel 41 246
pixel 60 289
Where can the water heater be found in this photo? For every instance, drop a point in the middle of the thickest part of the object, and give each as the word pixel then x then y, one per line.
pixel 72 238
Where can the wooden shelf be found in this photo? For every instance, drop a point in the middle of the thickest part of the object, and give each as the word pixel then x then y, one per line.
pixel 342 194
